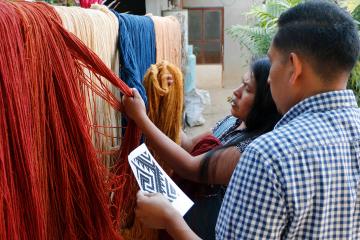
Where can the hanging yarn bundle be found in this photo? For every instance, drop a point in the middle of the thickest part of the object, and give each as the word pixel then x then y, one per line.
pixel 110 24
pixel 182 18
pixel 137 49
pixel 98 29
pixel 136 45
pixel 52 184
pixel 164 86
pixel 168 39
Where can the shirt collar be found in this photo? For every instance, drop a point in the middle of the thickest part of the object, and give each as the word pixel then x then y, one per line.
pixel 320 102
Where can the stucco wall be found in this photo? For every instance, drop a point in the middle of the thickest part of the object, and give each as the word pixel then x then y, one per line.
pixel 235 58
pixel 153 7
pixel 156 6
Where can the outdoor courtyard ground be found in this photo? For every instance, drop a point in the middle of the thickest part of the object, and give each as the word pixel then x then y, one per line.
pixel 210 79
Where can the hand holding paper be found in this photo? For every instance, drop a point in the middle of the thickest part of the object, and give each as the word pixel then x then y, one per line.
pixel 152 178
pixel 154 210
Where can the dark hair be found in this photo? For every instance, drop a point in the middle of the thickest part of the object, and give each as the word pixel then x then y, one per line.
pixel 323 33
pixel 263 114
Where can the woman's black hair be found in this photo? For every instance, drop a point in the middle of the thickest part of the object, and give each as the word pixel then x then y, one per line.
pixel 262 117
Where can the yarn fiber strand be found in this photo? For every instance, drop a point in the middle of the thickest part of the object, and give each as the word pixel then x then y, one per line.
pixel 168 39
pixel 97 28
pixel 137 49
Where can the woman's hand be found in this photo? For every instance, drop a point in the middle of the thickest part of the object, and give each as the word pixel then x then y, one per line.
pixel 154 210
pixel 134 106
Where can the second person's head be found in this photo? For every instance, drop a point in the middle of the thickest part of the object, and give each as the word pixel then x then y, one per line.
pixel 252 101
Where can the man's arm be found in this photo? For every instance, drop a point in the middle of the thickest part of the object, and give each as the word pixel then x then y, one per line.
pixel 254 205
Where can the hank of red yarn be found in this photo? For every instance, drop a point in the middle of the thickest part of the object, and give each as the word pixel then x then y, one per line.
pixel 53 186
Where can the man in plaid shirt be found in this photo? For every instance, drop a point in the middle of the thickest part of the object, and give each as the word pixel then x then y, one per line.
pixel 300 181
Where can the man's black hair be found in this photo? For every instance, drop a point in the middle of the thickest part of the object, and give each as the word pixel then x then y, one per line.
pixel 322 33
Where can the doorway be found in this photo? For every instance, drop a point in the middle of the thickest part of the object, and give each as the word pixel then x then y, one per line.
pixel 206 34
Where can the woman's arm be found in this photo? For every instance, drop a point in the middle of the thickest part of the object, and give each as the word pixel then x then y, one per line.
pixel 155 211
pixel 175 156
pixel 220 166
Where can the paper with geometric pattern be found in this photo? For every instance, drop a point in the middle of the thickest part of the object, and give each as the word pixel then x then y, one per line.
pixel 152 178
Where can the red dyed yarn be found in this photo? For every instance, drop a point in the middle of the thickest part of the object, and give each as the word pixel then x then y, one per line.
pixel 124 185
pixel 52 184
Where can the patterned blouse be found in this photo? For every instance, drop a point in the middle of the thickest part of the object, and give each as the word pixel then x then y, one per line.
pixel 226 131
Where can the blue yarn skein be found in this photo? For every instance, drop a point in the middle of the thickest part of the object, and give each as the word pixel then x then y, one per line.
pixel 137 49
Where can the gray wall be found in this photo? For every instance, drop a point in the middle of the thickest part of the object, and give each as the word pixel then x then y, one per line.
pixel 153 7
pixel 156 6
pixel 235 58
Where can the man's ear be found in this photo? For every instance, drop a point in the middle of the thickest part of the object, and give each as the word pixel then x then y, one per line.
pixel 297 66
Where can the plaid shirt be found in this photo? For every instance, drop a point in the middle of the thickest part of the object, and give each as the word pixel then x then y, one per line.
pixel 301 180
